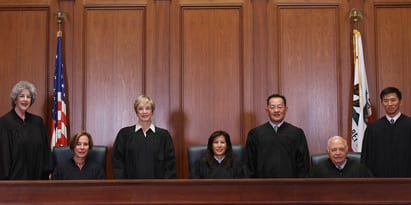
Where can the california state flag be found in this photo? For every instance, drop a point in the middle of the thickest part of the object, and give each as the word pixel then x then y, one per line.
pixel 361 110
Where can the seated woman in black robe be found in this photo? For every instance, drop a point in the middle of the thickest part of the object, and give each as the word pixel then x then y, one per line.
pixel 78 167
pixel 219 162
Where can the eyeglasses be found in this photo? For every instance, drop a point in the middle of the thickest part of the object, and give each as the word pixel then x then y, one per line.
pixel 273 107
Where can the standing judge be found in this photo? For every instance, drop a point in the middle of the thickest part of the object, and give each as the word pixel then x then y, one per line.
pixel 144 151
pixel 386 148
pixel 277 149
pixel 24 144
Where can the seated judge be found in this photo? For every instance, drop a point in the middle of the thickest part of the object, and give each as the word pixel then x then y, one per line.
pixel 78 167
pixel 219 162
pixel 338 165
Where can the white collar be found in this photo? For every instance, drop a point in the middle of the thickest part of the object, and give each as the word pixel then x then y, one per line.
pixel 219 160
pixel 152 128
pixel 276 125
pixel 395 117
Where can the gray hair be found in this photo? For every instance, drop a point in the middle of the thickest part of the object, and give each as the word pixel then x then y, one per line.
pixel 21 86
pixel 333 138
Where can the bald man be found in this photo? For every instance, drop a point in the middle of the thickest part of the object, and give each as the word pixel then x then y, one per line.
pixel 338 165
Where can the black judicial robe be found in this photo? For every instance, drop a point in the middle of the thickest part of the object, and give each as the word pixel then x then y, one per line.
pixel 352 169
pixel 139 157
pixel 218 170
pixel 386 148
pixel 24 148
pixel 277 155
pixel 68 170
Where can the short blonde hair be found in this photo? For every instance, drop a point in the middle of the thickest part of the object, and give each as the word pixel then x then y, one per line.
pixel 142 100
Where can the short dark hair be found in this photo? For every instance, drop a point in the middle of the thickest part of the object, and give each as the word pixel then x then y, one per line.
pixel 389 90
pixel 276 95
pixel 74 140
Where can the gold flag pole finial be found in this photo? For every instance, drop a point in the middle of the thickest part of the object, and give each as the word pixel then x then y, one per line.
pixel 60 16
pixel 356 15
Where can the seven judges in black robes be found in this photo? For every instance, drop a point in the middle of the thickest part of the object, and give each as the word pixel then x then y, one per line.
pixel 276 149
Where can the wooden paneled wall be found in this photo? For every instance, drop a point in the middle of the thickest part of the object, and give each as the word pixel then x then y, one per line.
pixel 207 64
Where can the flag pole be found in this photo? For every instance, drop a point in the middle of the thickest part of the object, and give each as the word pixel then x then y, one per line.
pixel 361 102
pixel 59 118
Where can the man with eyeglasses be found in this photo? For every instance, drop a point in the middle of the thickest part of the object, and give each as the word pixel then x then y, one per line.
pixel 277 149
pixel 386 148
pixel 338 165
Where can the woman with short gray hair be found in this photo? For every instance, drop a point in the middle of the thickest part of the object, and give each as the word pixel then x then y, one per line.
pixel 24 144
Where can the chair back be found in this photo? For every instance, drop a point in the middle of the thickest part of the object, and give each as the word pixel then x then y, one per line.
pixel 97 155
pixel 318 158
pixel 198 151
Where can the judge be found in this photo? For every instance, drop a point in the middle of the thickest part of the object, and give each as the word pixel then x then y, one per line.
pixel 386 148
pixel 78 167
pixel 219 161
pixel 143 150
pixel 338 165
pixel 277 149
pixel 24 144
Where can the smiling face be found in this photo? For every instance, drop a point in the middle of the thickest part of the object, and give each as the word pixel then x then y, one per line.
pixel 276 110
pixel 23 100
pixel 82 147
pixel 144 113
pixel 391 103
pixel 219 146
pixel 337 150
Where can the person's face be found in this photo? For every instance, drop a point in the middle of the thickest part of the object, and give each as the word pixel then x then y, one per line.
pixel 337 151
pixel 144 112
pixel 391 104
pixel 23 100
pixel 219 146
pixel 82 147
pixel 276 110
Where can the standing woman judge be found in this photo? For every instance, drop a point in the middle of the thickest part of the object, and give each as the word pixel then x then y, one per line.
pixel 24 145
pixel 144 151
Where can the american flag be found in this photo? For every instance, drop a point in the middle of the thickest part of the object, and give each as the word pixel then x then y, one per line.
pixel 59 120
